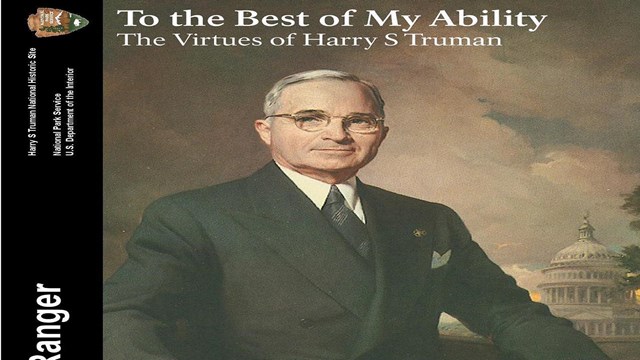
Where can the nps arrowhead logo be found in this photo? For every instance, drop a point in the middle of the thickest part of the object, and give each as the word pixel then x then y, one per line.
pixel 53 22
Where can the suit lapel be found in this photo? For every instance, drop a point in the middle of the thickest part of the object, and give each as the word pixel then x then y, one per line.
pixel 403 245
pixel 289 223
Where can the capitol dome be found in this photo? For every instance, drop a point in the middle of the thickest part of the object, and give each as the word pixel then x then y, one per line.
pixel 581 284
pixel 587 248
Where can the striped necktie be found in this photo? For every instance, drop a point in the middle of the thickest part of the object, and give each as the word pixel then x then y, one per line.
pixel 347 222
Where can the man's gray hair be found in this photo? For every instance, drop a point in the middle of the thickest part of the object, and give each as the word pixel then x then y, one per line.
pixel 273 96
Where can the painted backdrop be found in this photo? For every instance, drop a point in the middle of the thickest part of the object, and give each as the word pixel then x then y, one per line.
pixel 521 139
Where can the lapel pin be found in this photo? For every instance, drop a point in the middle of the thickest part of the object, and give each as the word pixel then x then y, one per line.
pixel 419 233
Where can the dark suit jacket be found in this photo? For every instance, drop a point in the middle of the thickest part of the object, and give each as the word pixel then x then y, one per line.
pixel 250 269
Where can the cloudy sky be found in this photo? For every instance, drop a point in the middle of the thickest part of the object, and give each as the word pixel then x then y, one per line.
pixel 521 140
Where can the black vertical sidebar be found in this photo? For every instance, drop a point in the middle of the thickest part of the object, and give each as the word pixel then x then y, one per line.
pixel 51 188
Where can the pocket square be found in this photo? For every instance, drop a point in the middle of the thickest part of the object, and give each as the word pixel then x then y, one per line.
pixel 438 260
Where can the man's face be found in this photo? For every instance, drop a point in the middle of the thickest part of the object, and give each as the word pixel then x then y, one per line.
pixel 331 154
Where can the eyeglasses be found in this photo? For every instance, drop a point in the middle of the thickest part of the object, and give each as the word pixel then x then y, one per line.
pixel 316 120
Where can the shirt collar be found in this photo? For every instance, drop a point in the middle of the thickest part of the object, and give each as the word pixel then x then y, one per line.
pixel 317 191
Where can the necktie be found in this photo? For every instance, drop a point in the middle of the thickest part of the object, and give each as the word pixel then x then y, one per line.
pixel 347 222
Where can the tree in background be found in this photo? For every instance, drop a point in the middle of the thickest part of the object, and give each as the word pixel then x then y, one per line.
pixel 632 206
pixel 631 254
pixel 630 260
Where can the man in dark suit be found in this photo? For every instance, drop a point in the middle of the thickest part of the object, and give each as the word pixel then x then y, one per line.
pixel 301 260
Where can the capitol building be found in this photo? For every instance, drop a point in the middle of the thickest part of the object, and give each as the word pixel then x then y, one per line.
pixel 581 284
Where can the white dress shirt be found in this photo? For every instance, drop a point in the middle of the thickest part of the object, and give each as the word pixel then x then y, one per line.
pixel 317 191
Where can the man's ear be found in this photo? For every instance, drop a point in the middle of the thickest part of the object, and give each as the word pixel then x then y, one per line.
pixel 263 127
pixel 385 131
